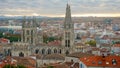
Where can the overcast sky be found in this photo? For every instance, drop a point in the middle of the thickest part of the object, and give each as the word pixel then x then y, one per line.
pixel 57 7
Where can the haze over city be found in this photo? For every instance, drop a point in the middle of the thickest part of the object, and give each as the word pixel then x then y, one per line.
pixel 55 8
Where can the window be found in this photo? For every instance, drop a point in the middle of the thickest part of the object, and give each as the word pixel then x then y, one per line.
pixel 81 65
pixel 60 51
pixel 55 50
pixel 36 51
pixel 49 51
pixel 43 51
pixel 68 43
pixel 5 52
pixel 65 43
pixel 21 54
pixel 9 52
pixel 78 36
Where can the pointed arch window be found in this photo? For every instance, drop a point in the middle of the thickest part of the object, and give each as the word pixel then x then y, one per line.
pixel 55 50
pixel 9 52
pixel 43 51
pixel 21 54
pixel 60 51
pixel 65 43
pixel 49 51
pixel 68 43
pixel 36 51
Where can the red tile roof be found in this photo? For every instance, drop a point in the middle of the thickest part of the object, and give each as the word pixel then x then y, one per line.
pixel 116 45
pixel 6 61
pixel 27 61
pixel 99 61
pixel 4 40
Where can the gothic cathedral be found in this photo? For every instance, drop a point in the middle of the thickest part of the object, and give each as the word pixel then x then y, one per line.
pixel 30 39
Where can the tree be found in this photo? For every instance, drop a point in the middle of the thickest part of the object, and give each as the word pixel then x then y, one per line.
pixel 12 66
pixel 50 67
pixel 47 39
pixel 9 66
pixel 21 66
pixel 91 42
pixel 11 37
pixel 117 42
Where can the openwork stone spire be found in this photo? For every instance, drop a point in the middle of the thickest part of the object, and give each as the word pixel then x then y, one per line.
pixel 68 15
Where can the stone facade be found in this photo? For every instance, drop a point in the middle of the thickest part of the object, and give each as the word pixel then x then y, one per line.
pixel 68 36
pixel 31 42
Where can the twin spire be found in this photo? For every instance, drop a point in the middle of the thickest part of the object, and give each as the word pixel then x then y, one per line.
pixel 68 15
pixel 29 22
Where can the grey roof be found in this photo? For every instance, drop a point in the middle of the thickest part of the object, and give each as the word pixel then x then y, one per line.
pixel 54 57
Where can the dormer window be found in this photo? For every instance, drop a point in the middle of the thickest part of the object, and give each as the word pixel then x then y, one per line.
pixel 99 62
pixel 114 62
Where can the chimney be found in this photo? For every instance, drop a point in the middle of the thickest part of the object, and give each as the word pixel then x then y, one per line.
pixel 103 56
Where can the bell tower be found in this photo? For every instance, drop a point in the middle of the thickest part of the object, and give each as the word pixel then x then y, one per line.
pixel 29 31
pixel 68 38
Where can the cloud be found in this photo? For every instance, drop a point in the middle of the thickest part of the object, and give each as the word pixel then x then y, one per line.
pixel 57 7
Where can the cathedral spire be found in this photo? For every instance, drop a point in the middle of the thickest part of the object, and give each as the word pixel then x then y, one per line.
pixel 24 21
pixel 68 38
pixel 68 20
pixel 34 22
pixel 68 13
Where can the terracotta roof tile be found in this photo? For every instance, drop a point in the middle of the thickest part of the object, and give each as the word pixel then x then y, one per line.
pixel 116 45
pixel 27 61
pixel 100 61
